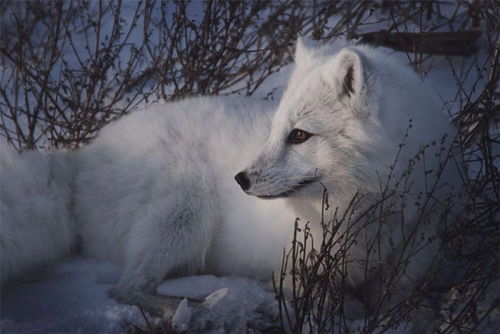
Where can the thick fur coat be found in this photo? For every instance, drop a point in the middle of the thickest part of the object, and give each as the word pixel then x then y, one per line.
pixel 154 193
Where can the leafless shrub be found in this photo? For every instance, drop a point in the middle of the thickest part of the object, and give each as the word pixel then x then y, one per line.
pixel 68 68
pixel 314 289
pixel 56 87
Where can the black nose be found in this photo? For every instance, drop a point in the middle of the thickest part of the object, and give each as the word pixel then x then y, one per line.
pixel 242 180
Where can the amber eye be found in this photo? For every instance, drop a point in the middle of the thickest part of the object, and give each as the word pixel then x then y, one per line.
pixel 298 136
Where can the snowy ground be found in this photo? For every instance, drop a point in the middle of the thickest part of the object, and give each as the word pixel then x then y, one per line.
pixel 72 299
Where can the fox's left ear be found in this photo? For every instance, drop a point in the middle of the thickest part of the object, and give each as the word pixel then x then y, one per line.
pixel 304 56
pixel 350 80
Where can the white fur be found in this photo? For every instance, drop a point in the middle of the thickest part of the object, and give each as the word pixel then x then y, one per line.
pixel 357 129
pixel 35 195
pixel 155 193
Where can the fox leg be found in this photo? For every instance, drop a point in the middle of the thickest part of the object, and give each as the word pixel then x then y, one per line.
pixel 163 242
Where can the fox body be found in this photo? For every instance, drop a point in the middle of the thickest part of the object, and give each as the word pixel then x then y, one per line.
pixel 153 192
pixel 36 225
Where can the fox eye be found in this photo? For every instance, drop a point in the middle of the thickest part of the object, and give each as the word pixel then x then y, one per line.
pixel 298 136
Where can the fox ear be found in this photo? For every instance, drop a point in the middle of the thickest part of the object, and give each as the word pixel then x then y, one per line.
pixel 303 55
pixel 350 78
pixel 349 74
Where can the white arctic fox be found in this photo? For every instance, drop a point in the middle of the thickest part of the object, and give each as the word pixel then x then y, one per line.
pixel 339 126
pixel 153 192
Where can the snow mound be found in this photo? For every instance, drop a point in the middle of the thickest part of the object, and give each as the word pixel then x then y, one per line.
pixel 182 316
pixel 228 304
pixel 73 298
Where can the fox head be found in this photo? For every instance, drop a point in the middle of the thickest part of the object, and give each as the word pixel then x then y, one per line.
pixel 329 129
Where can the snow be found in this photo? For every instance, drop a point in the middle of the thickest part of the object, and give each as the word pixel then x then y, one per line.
pixel 239 304
pixel 182 316
pixel 72 298
pixel 228 304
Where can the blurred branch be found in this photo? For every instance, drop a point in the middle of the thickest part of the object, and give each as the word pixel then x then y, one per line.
pixel 454 43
